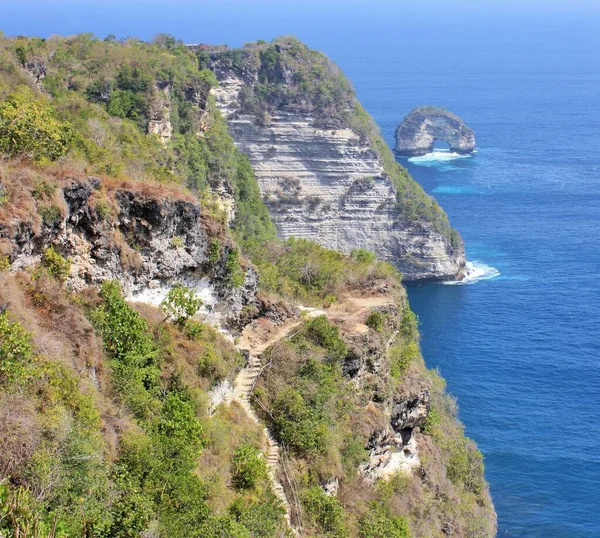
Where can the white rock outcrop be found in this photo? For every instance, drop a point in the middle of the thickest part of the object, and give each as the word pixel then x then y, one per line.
pixel 329 186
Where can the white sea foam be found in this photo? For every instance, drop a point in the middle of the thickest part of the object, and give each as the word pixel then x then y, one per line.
pixel 438 155
pixel 475 271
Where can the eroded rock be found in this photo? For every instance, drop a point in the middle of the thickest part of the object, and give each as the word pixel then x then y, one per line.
pixel 420 129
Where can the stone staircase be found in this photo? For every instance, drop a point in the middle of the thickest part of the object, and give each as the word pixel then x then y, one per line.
pixel 242 388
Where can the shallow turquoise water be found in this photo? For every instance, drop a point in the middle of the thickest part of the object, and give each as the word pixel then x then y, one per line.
pixel 520 348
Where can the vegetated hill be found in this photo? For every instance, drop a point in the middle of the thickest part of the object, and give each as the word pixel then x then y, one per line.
pixel 119 180
pixel 322 165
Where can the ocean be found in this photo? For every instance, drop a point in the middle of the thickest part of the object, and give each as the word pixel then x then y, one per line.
pixel 518 344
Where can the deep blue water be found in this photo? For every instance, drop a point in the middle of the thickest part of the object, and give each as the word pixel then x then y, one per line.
pixel 520 351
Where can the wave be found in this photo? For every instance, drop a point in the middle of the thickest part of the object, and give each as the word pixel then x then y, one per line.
pixel 475 271
pixel 437 156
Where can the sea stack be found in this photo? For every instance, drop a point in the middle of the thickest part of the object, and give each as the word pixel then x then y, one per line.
pixel 419 130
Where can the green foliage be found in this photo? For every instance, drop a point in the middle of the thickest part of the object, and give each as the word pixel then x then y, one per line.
pixel 16 351
pixel 305 271
pixel 375 321
pixel 181 303
pixel 297 425
pixel 326 335
pixel 57 266
pixel 432 422
pixel 248 466
pixel 50 214
pixel 21 515
pixel 214 252
pixel 4 262
pixel 466 464
pixel 252 226
pixel 380 523
pixel 326 511
pixel 233 269
pixel 129 344
pixel 28 127
pixel 43 189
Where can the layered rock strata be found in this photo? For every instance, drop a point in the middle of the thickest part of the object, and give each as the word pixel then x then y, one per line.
pixel 329 185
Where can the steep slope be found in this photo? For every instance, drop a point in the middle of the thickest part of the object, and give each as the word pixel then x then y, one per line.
pixel 323 169
pixel 121 419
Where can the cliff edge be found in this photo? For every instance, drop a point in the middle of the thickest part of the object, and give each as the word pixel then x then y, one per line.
pixel 322 166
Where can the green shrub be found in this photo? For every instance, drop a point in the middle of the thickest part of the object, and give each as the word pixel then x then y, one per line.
pixel 131 348
pixel 28 127
pixel 248 466
pixel 15 349
pixel 298 424
pixel 181 303
pixel 4 262
pixel 57 266
pixel 210 365
pixel 178 241
pixel 50 215
pixel 326 511
pixel 214 252
pixel 264 519
pixel 375 320
pixel 380 523
pixel 233 269
pixel 465 464
pixel 43 189
pixel 326 335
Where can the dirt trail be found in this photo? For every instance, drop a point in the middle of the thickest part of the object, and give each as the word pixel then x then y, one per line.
pixel 261 334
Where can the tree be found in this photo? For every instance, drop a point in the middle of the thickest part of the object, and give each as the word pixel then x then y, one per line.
pixel 181 303
pixel 28 127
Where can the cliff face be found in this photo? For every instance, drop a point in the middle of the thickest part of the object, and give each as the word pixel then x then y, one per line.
pixel 419 130
pixel 146 241
pixel 323 181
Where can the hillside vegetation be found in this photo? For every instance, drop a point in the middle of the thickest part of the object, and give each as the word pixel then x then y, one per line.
pixel 106 422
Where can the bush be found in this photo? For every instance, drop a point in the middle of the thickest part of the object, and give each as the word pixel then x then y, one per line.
pixel 233 269
pixel 28 127
pixel 181 303
pixel 326 511
pixel 15 349
pixel 380 523
pixel 248 466
pixel 297 424
pixel 57 266
pixel 375 321
pixel 50 215
pixel 327 335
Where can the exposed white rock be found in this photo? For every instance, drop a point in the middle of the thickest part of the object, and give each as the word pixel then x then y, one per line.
pixel 329 186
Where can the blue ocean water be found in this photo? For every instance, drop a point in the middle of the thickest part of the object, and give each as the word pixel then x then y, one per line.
pixel 520 348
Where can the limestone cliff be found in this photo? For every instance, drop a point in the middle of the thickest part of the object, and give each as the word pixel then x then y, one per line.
pixel 420 129
pixel 146 238
pixel 320 162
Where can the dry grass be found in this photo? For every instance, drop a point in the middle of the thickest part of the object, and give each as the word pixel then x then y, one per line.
pixel 20 434
pixel 130 259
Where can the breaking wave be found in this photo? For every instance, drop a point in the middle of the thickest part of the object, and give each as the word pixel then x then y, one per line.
pixel 437 156
pixel 475 271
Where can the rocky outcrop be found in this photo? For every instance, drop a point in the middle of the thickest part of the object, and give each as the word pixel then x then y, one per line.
pixel 159 122
pixel 394 448
pixel 146 242
pixel 329 185
pixel 418 132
